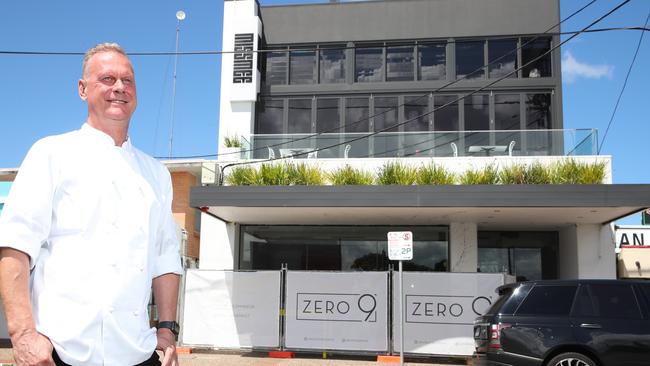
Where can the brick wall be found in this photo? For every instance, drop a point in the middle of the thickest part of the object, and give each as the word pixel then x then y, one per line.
pixel 183 214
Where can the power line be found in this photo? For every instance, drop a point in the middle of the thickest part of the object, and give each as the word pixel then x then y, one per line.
pixel 435 109
pixel 629 70
pixel 221 52
pixel 481 68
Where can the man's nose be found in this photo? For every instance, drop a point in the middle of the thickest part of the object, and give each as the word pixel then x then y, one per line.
pixel 119 85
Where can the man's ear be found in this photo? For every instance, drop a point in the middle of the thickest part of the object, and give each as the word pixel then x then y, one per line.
pixel 82 89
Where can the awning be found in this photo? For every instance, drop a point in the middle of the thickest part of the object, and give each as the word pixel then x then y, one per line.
pixel 492 206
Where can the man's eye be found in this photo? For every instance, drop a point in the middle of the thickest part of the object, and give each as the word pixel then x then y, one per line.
pixel 108 80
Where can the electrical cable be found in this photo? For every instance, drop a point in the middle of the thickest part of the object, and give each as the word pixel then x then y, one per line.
pixel 629 70
pixel 444 105
pixel 221 52
pixel 481 68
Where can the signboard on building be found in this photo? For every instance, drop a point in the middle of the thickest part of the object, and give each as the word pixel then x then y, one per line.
pixel 645 217
pixel 227 309
pixel 632 236
pixel 337 311
pixel 441 308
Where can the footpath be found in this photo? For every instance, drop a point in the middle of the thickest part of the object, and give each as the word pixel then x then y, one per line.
pixel 209 358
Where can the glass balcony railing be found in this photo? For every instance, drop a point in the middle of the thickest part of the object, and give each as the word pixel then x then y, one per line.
pixel 571 142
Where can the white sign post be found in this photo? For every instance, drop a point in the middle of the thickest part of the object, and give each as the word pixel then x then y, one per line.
pixel 400 247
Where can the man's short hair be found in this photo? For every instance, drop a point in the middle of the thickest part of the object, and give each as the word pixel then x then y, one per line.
pixel 99 48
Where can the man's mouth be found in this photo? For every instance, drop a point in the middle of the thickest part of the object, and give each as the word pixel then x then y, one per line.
pixel 118 101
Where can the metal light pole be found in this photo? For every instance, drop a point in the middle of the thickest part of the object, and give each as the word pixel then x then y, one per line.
pixel 180 15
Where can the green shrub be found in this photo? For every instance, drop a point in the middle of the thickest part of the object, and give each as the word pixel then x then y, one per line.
pixel 350 176
pixel 570 171
pixel 275 174
pixel 396 173
pixel 513 174
pixel 306 175
pixel 433 174
pixel 232 141
pixel 487 175
pixel 244 175
pixel 534 173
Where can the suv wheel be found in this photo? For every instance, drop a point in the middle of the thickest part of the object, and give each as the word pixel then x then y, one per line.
pixel 571 359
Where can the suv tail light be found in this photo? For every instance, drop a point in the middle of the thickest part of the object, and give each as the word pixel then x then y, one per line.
pixel 495 334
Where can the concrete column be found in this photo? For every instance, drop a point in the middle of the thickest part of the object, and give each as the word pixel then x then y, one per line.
pixel 217 246
pixel 587 251
pixel 463 247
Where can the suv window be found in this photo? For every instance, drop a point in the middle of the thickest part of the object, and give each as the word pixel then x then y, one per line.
pixel 548 300
pixel 584 306
pixel 645 288
pixel 615 301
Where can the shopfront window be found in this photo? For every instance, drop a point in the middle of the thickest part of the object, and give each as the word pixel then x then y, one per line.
pixel 338 248
pixel 299 116
pixel 531 49
pixel 302 67
pixel 528 255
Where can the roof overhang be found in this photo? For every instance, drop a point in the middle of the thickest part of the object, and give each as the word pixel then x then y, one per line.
pixel 490 206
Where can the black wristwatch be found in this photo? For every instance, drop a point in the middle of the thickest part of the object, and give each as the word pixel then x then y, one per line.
pixel 171 325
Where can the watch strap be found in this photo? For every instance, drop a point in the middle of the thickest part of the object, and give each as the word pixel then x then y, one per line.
pixel 169 324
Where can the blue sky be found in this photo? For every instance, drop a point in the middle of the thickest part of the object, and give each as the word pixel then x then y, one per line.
pixel 38 95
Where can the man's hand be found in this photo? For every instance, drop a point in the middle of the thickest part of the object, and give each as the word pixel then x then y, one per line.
pixel 167 344
pixel 31 348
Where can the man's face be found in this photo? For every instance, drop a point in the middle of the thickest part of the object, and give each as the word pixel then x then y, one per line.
pixel 108 86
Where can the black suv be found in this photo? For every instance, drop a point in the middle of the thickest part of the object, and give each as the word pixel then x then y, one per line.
pixel 566 323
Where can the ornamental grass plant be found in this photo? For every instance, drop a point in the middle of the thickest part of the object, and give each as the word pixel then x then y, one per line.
pixel 487 175
pixel 275 174
pixel 348 175
pixel 244 175
pixel 396 173
pixel 232 141
pixel 433 174
pixel 572 172
pixel 306 175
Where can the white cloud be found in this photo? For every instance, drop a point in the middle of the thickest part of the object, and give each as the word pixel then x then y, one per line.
pixel 573 69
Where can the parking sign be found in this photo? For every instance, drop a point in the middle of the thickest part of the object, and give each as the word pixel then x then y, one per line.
pixel 400 245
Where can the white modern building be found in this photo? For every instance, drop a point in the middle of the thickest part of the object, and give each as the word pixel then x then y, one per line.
pixel 460 85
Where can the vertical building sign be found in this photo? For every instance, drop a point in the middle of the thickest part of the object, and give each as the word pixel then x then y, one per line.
pixel 243 58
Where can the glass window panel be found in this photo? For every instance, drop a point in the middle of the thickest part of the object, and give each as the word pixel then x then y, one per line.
pixel 346 248
pixel 369 64
pixel 527 263
pixel 332 65
pixel 506 112
pixel 414 109
pixel 356 115
pixel 469 59
pixel 276 68
pixel 385 113
pixel 548 300
pixel 615 301
pixel 386 143
pixel 507 117
pixel 477 113
pixel 445 118
pixel 538 111
pixel 327 115
pixel 269 116
pixel 357 121
pixel 502 58
pixel 432 61
pixel 532 50
pixel 493 260
pixel 399 63
pixel 299 116
pixel 303 67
